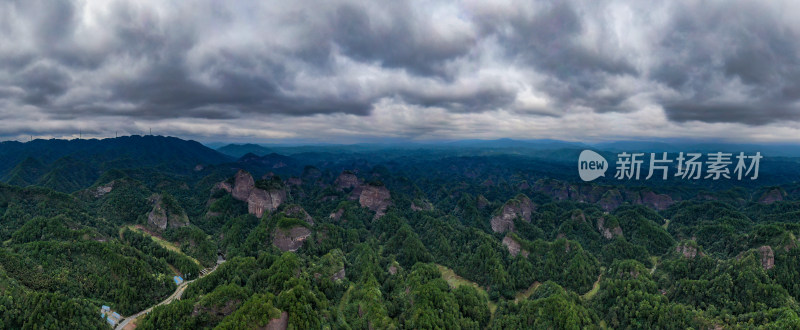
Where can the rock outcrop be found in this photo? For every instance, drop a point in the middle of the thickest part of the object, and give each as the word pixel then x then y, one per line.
pixel 261 201
pixel 346 180
pixel 608 233
pixel 375 198
pixel 657 201
pixel 338 275
pixel 166 214
pixel 767 257
pixel 337 215
pixel 223 186
pixel 609 198
pixel 296 211
pixel 281 323
pixel 772 196
pixel 103 190
pixel 688 251
pixel 514 247
pixel 243 184
pixel 258 200
pixel 519 207
pixel 290 239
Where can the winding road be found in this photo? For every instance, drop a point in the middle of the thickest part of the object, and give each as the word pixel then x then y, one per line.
pixel 174 296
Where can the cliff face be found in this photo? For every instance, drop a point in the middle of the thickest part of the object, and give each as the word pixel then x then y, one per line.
pixel 375 198
pixel 607 197
pixel 767 257
pixel 608 233
pixel 296 211
pixel 514 247
pixel 102 190
pixel 243 185
pixel 290 239
pixel 161 217
pixel 258 200
pixel 657 201
pixel 261 201
pixel 346 180
pixel 771 196
pixel 519 207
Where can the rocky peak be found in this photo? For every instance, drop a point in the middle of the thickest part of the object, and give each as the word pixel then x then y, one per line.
pixel 258 200
pixel 514 247
pixel 772 196
pixel 482 202
pixel 103 190
pixel 223 186
pixel 243 184
pixel 375 198
pixel 657 201
pixel 296 211
pixel 608 233
pixel 290 239
pixel 261 201
pixel 767 257
pixel 519 207
pixel 688 251
pixel 166 213
pixel 346 180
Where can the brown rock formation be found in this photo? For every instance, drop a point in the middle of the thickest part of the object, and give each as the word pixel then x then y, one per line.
pixel 482 202
pixel 688 251
pixel 767 257
pixel 337 215
pixel 608 233
pixel 281 323
pixel 513 247
pixel 258 200
pixel 610 200
pixel 223 186
pixel 375 198
pixel 771 196
pixel 261 201
pixel 105 189
pixel 338 275
pixel 161 218
pixel 346 180
pixel 243 185
pixel 657 201
pixel 519 207
pixel 296 211
pixel 290 239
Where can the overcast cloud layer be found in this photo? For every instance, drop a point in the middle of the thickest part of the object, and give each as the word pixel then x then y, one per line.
pixel 352 71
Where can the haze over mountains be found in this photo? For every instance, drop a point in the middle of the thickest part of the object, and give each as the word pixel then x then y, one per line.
pixel 484 234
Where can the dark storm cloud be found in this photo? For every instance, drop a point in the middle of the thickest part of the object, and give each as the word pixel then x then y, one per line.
pixel 710 52
pixel 709 62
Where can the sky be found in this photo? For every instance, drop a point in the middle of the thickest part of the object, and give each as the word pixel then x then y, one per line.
pixel 361 71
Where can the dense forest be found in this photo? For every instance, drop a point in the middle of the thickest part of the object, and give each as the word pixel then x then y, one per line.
pixel 365 237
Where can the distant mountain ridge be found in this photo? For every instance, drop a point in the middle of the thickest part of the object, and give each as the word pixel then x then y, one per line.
pixel 69 165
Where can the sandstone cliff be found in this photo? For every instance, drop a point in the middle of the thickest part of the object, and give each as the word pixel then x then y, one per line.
pixel 290 239
pixel 258 200
pixel 519 207
pixel 166 213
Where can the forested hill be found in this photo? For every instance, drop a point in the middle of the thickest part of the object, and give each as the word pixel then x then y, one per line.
pixel 383 239
pixel 70 165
